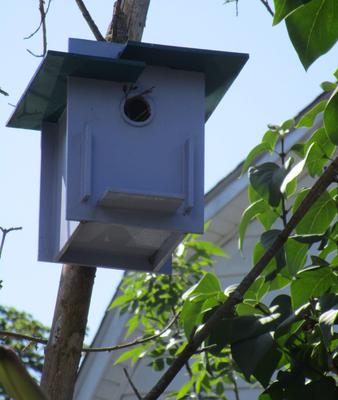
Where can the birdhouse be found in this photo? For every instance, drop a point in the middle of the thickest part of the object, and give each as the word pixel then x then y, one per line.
pixel 122 148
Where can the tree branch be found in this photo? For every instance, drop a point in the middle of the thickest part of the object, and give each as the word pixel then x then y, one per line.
pixel 135 342
pixel 44 28
pixel 43 14
pixel 3 92
pixel 128 20
pixel 38 28
pixel 236 297
pixel 4 234
pixel 132 384
pixel 267 6
pixel 93 27
pixel 22 336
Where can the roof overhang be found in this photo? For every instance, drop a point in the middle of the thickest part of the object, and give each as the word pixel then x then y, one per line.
pixel 45 96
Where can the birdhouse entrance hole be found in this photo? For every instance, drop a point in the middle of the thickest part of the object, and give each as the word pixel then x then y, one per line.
pixel 137 110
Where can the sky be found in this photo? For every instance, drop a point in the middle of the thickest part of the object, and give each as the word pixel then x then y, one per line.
pixel 271 88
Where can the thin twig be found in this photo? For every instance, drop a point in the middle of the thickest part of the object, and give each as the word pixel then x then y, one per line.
pixel 3 92
pixel 93 27
pixel 4 234
pixel 40 24
pixel 236 391
pixel 267 6
pixel 44 28
pixel 132 384
pixel 282 157
pixel 135 342
pixel 206 348
pixel 22 336
pixel 34 54
pixel 43 25
pixel 236 296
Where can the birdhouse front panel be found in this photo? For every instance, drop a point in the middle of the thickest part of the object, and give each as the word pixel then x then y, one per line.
pixel 136 151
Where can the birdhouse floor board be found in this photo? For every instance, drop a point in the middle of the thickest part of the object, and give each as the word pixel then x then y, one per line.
pixel 140 201
pixel 117 246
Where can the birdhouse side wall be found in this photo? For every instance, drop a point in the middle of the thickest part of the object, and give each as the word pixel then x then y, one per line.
pixel 54 229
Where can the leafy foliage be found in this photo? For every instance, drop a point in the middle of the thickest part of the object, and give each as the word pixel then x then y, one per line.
pixel 12 320
pixel 153 300
pixel 313 28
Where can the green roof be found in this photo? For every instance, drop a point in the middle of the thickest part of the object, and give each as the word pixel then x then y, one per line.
pixel 46 95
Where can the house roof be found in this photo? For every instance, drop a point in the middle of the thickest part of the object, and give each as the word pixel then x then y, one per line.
pixel 45 96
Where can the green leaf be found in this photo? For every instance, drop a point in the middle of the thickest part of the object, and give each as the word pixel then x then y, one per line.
pixel 185 388
pixel 208 247
pixel 313 29
pixel 309 239
pixel 125 298
pixel 328 86
pixel 287 125
pixel 238 329
pixel 308 119
pixel 266 180
pixel 133 353
pixel 295 254
pixel 190 316
pixel 331 117
pixel 249 213
pixel 312 282
pixel 328 301
pixel 326 322
pixel 322 150
pixel 254 153
pixel 336 74
pixel 325 388
pixel 267 239
pixel 320 215
pixel 292 174
pixel 257 290
pixel 271 137
pixel 258 357
pixel 315 160
pixel 209 284
pixel 208 287
pixel 15 379
pixel 258 252
pixel 290 325
pixel 269 216
pixel 320 137
pixel 281 304
pixel 283 8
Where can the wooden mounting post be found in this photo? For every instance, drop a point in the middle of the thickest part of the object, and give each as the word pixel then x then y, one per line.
pixel 63 351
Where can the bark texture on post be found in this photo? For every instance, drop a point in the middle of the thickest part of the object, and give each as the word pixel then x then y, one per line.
pixel 128 22
pixel 63 351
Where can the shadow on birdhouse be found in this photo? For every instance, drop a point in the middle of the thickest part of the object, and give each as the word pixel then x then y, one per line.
pixel 122 148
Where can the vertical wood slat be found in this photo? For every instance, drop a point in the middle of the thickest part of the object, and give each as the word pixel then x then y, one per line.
pixel 189 175
pixel 86 164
